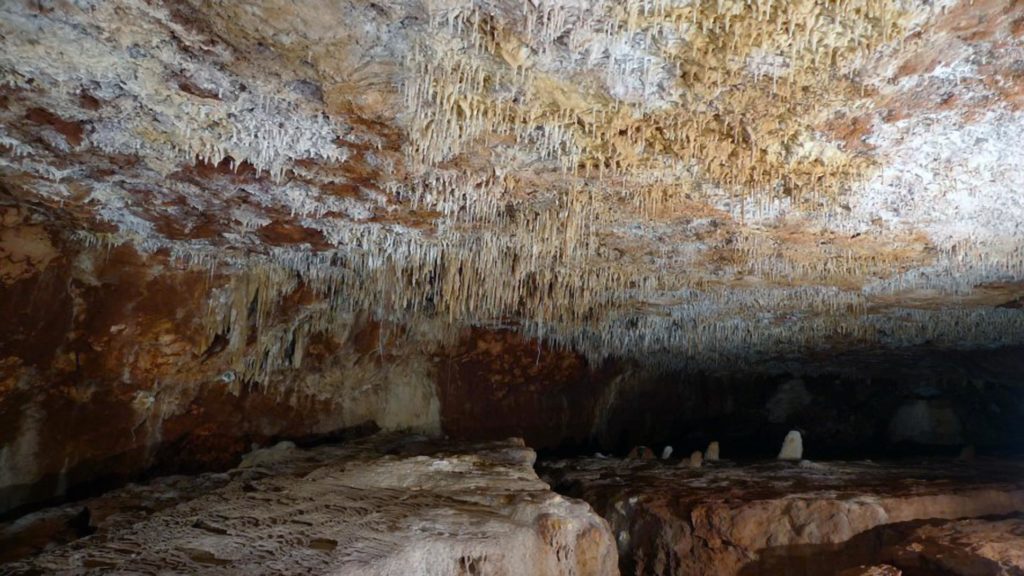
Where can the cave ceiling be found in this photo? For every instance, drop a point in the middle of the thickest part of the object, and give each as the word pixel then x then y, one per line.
pixel 685 182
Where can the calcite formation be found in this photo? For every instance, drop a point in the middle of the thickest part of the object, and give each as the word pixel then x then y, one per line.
pixel 712 452
pixel 231 222
pixel 685 181
pixel 384 505
pixel 812 519
pixel 792 446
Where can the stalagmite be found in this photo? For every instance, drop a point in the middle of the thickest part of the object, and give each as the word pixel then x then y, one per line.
pixel 696 459
pixel 711 454
pixel 792 446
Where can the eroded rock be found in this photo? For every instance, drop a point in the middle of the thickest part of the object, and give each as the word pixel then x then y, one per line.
pixel 384 505
pixel 779 519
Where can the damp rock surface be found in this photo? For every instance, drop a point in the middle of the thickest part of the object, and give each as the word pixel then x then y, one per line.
pixel 787 518
pixel 384 505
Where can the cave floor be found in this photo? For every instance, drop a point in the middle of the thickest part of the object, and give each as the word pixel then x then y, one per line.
pixel 381 505
pixel 407 505
pixel 927 517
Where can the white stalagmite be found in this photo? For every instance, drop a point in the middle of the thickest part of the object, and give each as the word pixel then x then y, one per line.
pixel 792 446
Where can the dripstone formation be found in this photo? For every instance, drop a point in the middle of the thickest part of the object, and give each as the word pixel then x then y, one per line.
pixel 596 225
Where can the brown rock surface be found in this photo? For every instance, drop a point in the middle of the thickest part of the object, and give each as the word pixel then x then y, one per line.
pixel 963 548
pixel 880 570
pixel 384 505
pixel 776 518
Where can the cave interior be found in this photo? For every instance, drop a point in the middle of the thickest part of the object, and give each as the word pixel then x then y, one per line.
pixel 512 287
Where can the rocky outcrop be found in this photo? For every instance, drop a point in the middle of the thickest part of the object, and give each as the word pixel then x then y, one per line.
pixel 381 506
pixel 962 548
pixel 776 518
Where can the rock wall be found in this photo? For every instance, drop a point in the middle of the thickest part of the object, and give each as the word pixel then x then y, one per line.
pixel 108 367
pixel 114 362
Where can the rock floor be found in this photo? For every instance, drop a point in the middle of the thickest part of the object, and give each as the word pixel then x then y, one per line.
pixel 806 518
pixel 378 506
pixel 393 505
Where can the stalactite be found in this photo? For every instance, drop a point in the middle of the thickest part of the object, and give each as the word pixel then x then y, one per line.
pixel 543 150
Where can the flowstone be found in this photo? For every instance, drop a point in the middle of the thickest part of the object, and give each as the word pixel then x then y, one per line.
pixel 382 506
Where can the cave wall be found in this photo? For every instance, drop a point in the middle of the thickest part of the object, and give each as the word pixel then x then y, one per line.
pixel 927 412
pixel 107 369
pixel 115 363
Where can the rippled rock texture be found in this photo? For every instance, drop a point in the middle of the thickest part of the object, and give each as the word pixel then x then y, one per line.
pixel 382 506
pixel 800 518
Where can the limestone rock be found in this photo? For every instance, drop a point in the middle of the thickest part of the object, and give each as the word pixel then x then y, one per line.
pixel 249 221
pixel 792 446
pixel 265 456
pixel 227 222
pixel 963 547
pixel 385 505
pixel 797 520
pixel 166 143
pixel 711 454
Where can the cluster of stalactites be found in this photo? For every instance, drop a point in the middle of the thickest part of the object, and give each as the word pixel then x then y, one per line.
pixel 529 131
pixel 740 86
pixel 704 330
